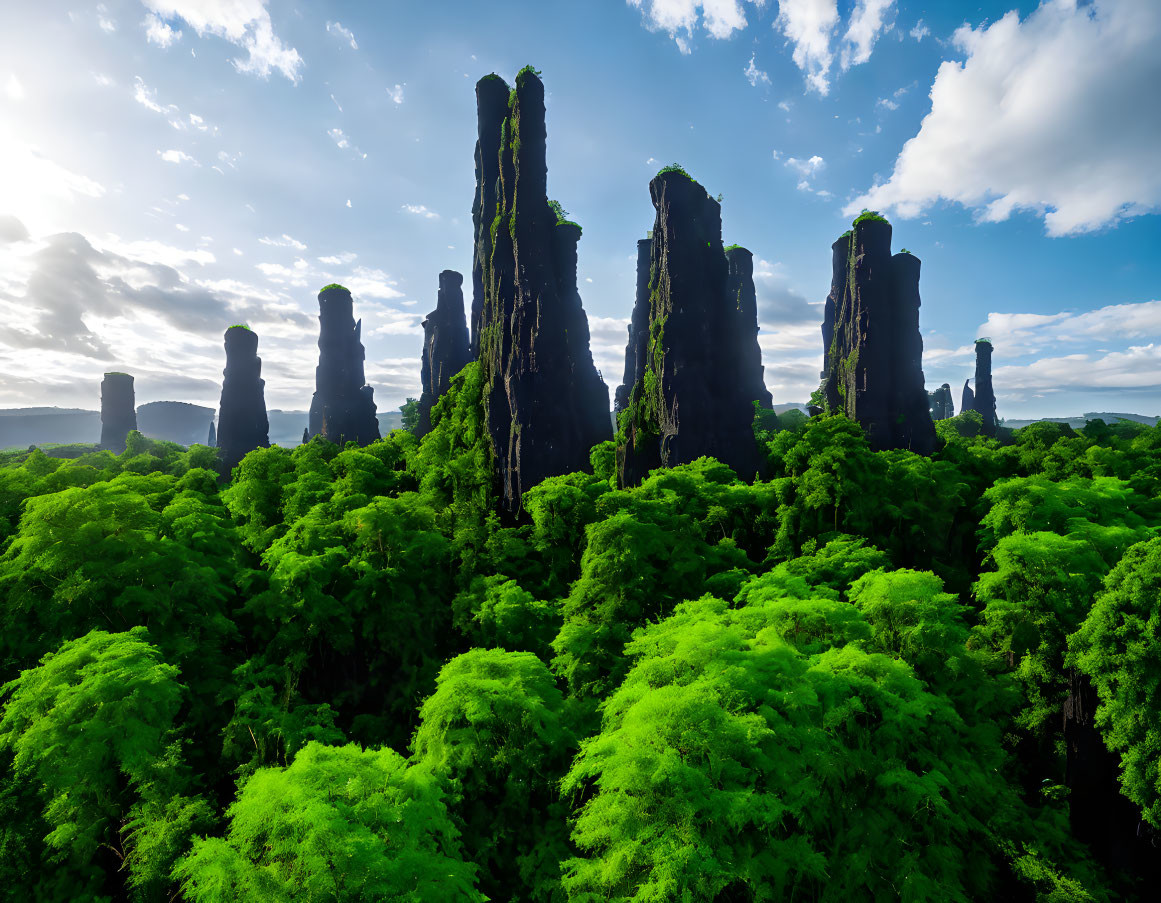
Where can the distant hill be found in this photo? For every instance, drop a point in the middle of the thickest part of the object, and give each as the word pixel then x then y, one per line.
pixel 176 421
pixel 1079 421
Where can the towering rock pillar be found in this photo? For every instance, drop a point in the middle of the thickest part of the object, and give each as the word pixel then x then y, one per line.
pixel 638 344
pixel 968 399
pixel 985 401
pixel 242 422
pixel 212 439
pixel 118 411
pixel 689 396
pixel 546 404
pixel 873 346
pixel 942 407
pixel 744 349
pixel 445 345
pixel 343 407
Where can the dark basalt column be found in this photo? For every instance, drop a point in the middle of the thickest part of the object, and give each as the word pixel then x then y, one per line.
pixel 242 422
pixel 118 411
pixel 942 407
pixel 985 401
pixel 445 345
pixel 212 439
pixel 343 407
pixel 968 400
pixel 638 344
pixel 546 404
pixel 874 350
pixel 744 347
pixel 689 397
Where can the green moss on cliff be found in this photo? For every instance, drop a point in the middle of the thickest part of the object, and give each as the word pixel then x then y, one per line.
pixel 327 288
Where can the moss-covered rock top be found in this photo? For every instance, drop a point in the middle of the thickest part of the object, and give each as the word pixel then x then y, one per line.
pixel 729 248
pixel 116 373
pixel 984 341
pixel 677 168
pixel 241 326
pixel 869 216
pixel 333 285
pixel 524 74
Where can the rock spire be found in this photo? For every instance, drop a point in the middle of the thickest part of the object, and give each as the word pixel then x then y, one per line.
pixel 118 411
pixel 242 421
pixel 343 407
pixel 445 345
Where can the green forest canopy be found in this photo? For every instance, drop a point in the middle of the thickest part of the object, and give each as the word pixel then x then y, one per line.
pixel 341 676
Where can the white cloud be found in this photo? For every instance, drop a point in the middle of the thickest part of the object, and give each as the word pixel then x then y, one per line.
pixel 754 75
pixel 420 210
pixel 339 138
pixel 153 252
pixel 720 18
pixel 1137 367
pixel 868 19
pixel 396 93
pixel 1030 332
pixel 181 228
pixel 371 283
pixel 337 104
pixel 784 106
pixel 344 33
pixel 107 25
pixel 1044 115
pixel 809 167
pixel 147 97
pixel 13 89
pixel 337 259
pixel 284 242
pixel 920 31
pixel 809 24
pixel 159 32
pixel 887 103
pixel 245 23
pixel 177 156
pixel 29 180
pixel 348 202
pixel 103 80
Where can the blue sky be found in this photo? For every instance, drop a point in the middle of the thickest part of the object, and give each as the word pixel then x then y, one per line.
pixel 171 167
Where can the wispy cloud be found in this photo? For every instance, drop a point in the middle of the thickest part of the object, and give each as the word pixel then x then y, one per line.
pixel 284 242
pixel 177 156
pixel 420 210
pixel 754 75
pixel 159 32
pixel 337 28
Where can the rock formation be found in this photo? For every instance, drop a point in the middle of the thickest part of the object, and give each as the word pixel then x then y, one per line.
pixel 743 300
pixel 873 368
pixel 985 400
pixel 242 422
pixel 693 343
pixel 343 407
pixel 212 439
pixel 546 404
pixel 638 344
pixel 118 414
pixel 968 400
pixel 445 345
pixel 941 406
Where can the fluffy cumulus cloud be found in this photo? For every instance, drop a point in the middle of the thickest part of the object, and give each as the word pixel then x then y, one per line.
pixel 681 18
pixel 245 23
pixel 420 210
pixel 159 32
pixel 1055 114
pixel 813 28
pixel 868 20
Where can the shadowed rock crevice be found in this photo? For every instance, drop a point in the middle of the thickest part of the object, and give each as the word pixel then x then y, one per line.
pixel 445 346
pixel 343 407
pixel 873 370
pixel 693 357
pixel 546 405
pixel 638 344
pixel 118 411
pixel 243 424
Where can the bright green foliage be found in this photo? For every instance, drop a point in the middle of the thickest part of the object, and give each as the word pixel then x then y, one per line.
pixel 410 409
pixel 327 288
pixel 730 765
pixel 1117 646
pixel 869 216
pixel 340 823
pixel 674 167
pixel 1038 593
pixel 93 728
pixel 241 326
pixel 497 612
pixel 494 732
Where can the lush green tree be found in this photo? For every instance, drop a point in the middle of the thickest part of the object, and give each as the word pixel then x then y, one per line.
pixel 1119 647
pixel 410 410
pixel 94 728
pixel 340 823
pixel 495 732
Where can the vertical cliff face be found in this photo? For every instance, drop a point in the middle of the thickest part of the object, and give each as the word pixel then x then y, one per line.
pixel 638 344
pixel 343 407
pixel 118 411
pixel 445 345
pixel 689 396
pixel 985 400
pixel 743 327
pixel 546 404
pixel 242 422
pixel 873 346
pixel 968 399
